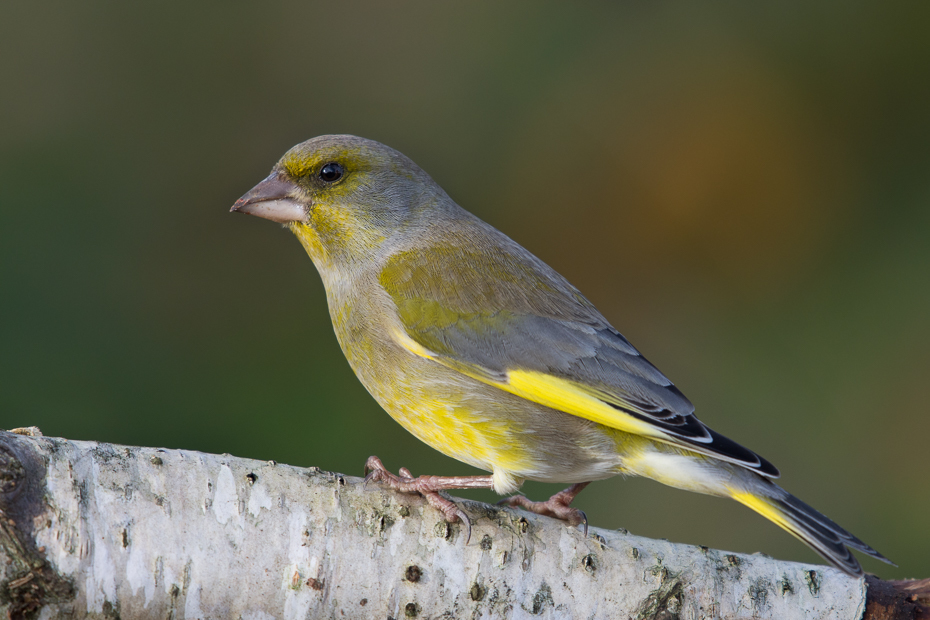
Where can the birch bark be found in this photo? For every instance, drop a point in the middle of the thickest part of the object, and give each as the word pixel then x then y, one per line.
pixel 94 530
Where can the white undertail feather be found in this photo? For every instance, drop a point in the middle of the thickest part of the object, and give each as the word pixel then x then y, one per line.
pixel 696 473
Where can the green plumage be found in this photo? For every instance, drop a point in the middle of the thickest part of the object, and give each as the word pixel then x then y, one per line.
pixel 486 353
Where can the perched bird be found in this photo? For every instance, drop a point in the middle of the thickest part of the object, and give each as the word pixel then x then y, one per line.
pixel 488 355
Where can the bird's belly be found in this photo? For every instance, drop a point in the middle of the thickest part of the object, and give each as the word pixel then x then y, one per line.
pixel 492 429
pixel 462 424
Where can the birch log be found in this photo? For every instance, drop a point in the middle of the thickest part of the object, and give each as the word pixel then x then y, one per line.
pixel 94 530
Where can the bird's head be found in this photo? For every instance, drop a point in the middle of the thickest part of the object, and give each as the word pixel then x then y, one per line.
pixel 343 196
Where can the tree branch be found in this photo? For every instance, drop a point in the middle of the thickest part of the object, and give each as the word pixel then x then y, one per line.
pixel 98 530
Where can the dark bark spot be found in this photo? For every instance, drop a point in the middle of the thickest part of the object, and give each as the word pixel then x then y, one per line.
pixel 813 581
pixel 542 599
pixel 759 594
pixel 443 530
pixel 664 603
pixel 413 573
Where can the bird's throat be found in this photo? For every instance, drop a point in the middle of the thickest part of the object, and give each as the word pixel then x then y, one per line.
pixel 309 238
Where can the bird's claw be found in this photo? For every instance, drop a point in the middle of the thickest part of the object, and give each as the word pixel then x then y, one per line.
pixel 450 510
pixel 375 471
pixel 374 468
pixel 556 507
pixel 460 514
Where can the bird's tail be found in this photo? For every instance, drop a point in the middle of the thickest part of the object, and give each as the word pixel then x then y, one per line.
pixel 809 526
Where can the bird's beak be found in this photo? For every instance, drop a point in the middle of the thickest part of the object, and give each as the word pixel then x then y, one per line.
pixel 273 200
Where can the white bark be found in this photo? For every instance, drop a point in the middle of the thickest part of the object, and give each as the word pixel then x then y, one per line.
pixel 150 533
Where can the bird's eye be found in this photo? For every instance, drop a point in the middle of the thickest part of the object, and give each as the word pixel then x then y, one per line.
pixel 331 172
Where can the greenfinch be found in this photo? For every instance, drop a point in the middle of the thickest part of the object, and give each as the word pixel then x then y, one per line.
pixel 488 355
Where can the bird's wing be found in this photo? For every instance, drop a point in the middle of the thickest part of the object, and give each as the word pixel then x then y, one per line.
pixel 500 315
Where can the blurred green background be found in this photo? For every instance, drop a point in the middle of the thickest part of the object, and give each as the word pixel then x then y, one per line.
pixel 742 189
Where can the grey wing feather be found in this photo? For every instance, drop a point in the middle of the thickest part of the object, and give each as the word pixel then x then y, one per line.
pixel 532 319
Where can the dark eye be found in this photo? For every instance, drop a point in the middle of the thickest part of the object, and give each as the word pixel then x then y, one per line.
pixel 331 172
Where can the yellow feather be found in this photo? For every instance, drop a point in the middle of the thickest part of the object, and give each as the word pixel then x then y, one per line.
pixel 401 337
pixel 573 398
pixel 763 507
pixel 547 390
pixel 771 512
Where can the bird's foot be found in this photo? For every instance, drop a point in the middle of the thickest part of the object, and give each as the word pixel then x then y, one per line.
pixel 556 506
pixel 429 487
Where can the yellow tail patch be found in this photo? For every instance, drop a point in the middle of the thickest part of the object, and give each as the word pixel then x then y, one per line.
pixel 763 507
pixel 770 511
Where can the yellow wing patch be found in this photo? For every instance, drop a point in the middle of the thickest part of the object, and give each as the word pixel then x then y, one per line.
pixel 549 391
pixel 572 398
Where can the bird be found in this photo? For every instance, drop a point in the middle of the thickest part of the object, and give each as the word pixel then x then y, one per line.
pixel 485 353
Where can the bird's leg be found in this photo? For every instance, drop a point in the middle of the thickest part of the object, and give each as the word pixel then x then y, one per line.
pixel 556 506
pixel 428 487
